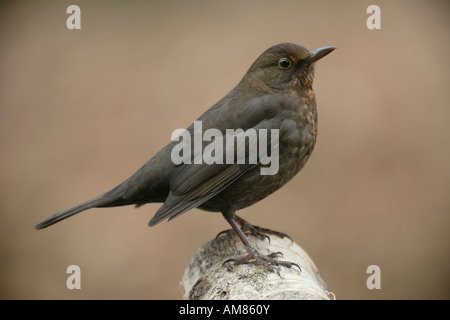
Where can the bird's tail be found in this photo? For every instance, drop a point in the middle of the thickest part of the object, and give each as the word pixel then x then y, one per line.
pixel 99 201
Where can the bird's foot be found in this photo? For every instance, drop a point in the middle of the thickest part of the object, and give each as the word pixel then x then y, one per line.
pixel 256 231
pixel 259 232
pixel 225 232
pixel 269 261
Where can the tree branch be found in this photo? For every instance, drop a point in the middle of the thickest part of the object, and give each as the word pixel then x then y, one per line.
pixel 207 278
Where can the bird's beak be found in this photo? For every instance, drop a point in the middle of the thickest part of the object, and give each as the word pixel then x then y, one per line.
pixel 318 54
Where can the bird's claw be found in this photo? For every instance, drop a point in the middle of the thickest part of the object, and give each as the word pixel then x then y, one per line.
pixel 224 232
pixel 259 232
pixel 269 261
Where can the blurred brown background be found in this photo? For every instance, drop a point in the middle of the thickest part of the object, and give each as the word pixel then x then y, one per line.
pixel 80 111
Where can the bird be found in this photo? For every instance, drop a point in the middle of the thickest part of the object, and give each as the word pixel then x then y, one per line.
pixel 275 95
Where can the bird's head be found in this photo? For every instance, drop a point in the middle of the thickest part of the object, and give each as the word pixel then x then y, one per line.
pixel 285 66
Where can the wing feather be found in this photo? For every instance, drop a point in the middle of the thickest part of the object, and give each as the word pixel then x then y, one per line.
pixel 193 184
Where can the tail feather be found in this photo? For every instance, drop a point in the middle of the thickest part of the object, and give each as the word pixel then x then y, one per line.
pixel 99 201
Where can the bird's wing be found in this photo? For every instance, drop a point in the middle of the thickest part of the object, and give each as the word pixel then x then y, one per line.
pixel 193 184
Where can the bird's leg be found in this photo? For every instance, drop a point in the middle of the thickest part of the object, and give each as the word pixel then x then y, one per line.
pixel 270 261
pixel 258 232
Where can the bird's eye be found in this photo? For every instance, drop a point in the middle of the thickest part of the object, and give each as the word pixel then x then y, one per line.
pixel 284 63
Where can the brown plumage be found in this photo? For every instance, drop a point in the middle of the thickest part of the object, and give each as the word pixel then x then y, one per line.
pixel 275 93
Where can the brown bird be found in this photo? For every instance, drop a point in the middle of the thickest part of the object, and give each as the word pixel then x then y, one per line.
pixel 276 95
